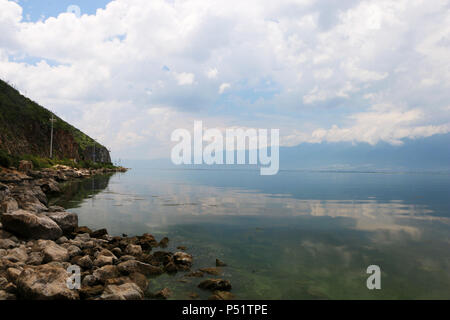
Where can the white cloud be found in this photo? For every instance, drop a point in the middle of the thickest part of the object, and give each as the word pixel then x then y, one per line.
pixel 326 66
pixel 212 73
pixel 185 78
pixel 223 87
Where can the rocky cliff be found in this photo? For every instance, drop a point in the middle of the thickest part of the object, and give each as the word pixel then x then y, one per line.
pixel 25 130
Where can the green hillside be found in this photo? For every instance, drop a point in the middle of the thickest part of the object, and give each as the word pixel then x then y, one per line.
pixel 25 131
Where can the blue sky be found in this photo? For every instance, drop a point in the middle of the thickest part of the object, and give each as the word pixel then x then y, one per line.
pixel 129 72
pixel 35 10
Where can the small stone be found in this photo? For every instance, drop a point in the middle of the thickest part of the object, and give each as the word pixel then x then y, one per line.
pixel 220 263
pixel 99 233
pixel 162 294
pixel 62 240
pixel 221 295
pixel 215 284
pixel 193 295
pixel 211 271
pixel 164 242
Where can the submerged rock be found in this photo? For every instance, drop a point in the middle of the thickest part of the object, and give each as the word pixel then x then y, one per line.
pixel 215 284
pixel 221 295
pixel 162 294
pixel 31 225
pixel 220 263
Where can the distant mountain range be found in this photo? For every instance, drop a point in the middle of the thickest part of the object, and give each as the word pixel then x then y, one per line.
pixel 424 154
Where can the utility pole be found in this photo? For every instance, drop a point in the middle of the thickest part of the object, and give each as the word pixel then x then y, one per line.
pixel 51 137
pixel 93 156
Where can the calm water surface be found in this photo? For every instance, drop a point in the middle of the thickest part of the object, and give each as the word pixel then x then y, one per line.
pixel 296 235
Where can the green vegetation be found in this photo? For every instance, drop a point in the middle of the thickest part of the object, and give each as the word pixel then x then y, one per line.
pixel 8 160
pixel 15 106
pixel 25 130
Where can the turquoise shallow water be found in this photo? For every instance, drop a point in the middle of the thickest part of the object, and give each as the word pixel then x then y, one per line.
pixel 296 235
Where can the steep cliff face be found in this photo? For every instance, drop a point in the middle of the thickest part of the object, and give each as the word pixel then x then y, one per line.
pixel 25 129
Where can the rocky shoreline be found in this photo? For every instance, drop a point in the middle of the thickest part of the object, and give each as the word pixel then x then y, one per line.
pixel 44 254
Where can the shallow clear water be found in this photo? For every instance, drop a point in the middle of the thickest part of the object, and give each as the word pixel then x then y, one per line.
pixel 296 235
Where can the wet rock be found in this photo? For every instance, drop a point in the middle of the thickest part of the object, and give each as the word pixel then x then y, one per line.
pixel 211 271
pixel 132 266
pixel 45 282
pixel 171 267
pixel 30 225
pixel 195 274
pixel 83 230
pixel 147 241
pixel 99 233
pixel 215 284
pixel 140 279
pixel 221 295
pixel 126 291
pixel 220 263
pixel 162 294
pixel 164 242
pixel 193 295
pixel 67 221
pixel 183 259
pixel 134 250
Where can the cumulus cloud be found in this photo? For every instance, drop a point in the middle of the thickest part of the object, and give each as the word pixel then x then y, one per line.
pixel 224 86
pixel 352 70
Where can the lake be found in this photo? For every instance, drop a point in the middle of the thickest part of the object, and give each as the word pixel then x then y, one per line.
pixel 295 235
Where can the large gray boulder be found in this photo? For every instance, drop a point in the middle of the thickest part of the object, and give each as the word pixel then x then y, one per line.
pixel 45 282
pixel 67 221
pixel 31 225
